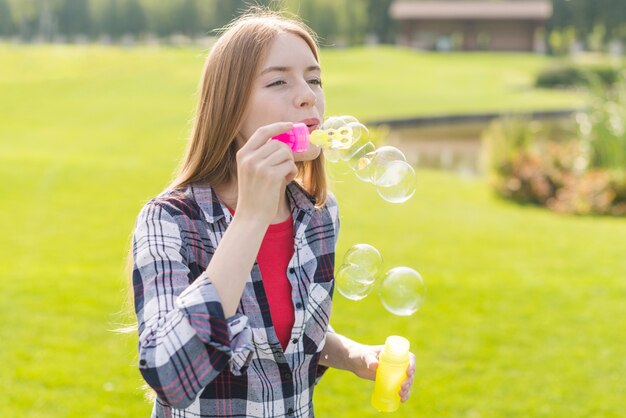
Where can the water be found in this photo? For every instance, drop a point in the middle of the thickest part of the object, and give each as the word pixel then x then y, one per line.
pixel 453 145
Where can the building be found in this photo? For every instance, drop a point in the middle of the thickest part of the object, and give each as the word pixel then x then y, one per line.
pixel 472 25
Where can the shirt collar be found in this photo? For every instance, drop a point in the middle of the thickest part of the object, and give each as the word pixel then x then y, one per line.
pixel 214 210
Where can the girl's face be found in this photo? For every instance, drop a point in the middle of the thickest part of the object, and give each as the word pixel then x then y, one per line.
pixel 288 88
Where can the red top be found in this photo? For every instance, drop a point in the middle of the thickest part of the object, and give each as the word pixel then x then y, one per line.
pixel 273 258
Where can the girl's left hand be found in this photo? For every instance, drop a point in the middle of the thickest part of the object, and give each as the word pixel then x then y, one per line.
pixel 365 363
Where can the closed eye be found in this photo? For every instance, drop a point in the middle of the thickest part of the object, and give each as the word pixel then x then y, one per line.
pixel 277 83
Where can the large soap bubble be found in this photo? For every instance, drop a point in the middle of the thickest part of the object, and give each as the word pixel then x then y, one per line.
pixel 395 181
pixel 402 291
pixel 353 281
pixel 367 257
pixel 359 160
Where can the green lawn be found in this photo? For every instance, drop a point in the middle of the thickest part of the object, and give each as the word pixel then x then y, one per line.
pixel 525 313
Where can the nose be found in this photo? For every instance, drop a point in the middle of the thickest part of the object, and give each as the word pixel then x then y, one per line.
pixel 305 96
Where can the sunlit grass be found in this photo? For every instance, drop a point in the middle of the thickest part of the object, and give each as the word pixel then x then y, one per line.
pixel 524 315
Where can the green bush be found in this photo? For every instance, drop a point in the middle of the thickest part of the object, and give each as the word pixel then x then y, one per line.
pixel 602 127
pixel 551 173
pixel 580 168
pixel 575 76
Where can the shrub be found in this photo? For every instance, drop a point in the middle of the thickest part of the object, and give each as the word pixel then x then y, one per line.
pixel 575 76
pixel 580 168
pixel 602 127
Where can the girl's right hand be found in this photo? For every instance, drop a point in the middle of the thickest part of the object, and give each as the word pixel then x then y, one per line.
pixel 264 168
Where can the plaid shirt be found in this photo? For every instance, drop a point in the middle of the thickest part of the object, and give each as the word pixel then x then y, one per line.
pixel 202 364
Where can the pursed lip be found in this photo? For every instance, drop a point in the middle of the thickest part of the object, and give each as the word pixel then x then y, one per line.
pixel 311 123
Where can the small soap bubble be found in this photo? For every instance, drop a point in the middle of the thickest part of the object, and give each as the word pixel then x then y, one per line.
pixel 348 119
pixel 360 160
pixel 367 257
pixel 381 157
pixel 332 155
pixel 332 122
pixel 402 291
pixel 387 154
pixel 358 131
pixel 395 181
pixel 353 281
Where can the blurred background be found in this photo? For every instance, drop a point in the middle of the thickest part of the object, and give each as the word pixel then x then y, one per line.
pixel 513 114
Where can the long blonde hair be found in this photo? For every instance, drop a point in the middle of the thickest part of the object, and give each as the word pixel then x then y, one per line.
pixel 225 88
pixel 226 85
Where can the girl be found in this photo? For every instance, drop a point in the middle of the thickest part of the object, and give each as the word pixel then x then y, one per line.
pixel 233 263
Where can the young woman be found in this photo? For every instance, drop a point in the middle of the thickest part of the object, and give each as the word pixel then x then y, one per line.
pixel 233 263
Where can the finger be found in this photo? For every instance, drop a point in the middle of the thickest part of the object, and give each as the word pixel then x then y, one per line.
pixel 410 371
pixel 269 154
pixel 286 170
pixel 269 148
pixel 264 133
pixel 405 397
pixel 405 392
pixel 277 157
pixel 406 385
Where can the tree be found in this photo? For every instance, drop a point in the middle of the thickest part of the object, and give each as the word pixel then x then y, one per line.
pixel 227 10
pixel 74 17
pixel 187 20
pixel 111 19
pixel 135 21
pixel 614 16
pixel 7 27
pixel 378 20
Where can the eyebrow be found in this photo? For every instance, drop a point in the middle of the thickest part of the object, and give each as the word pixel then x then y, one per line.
pixel 285 69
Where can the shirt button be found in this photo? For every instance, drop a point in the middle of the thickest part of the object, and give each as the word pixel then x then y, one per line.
pixel 299 305
pixel 292 270
pixel 287 376
pixel 295 341
pixel 290 411
pixel 142 362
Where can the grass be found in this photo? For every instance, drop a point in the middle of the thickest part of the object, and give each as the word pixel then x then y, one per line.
pixel 392 82
pixel 524 315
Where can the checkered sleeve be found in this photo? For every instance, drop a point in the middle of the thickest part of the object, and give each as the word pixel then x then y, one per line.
pixel 185 341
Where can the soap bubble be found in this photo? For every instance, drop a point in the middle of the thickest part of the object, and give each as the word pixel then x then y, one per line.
pixel 348 119
pixel 359 131
pixel 367 166
pixel 353 281
pixel 359 161
pixel 367 257
pixel 344 138
pixel 332 155
pixel 395 181
pixel 336 122
pixel 383 156
pixel 402 291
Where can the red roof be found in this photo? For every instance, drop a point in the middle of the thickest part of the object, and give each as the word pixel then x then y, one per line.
pixel 444 10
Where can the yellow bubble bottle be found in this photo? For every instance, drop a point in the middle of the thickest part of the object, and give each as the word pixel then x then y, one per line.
pixel 391 372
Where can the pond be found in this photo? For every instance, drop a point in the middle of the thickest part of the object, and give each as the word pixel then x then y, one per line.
pixel 451 143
